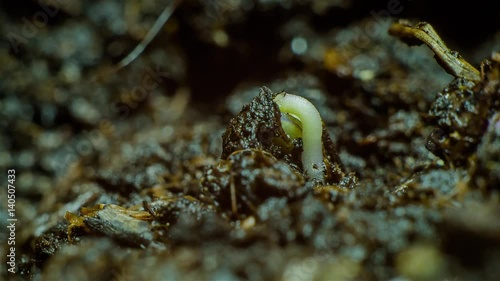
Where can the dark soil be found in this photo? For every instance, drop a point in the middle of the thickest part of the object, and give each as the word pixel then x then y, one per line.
pixel 176 167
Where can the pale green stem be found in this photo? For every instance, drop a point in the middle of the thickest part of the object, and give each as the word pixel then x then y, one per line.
pixel 312 131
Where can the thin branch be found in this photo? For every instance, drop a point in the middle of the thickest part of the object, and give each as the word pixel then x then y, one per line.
pixel 452 62
pixel 155 29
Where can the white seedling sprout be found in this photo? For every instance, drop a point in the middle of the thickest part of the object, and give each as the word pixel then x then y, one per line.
pixel 311 127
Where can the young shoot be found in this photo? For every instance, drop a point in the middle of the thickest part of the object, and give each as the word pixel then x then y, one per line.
pixel 300 118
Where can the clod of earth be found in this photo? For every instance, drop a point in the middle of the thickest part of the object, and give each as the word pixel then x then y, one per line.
pixel 461 111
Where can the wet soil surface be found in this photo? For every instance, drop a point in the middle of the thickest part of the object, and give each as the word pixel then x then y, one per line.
pixel 178 167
